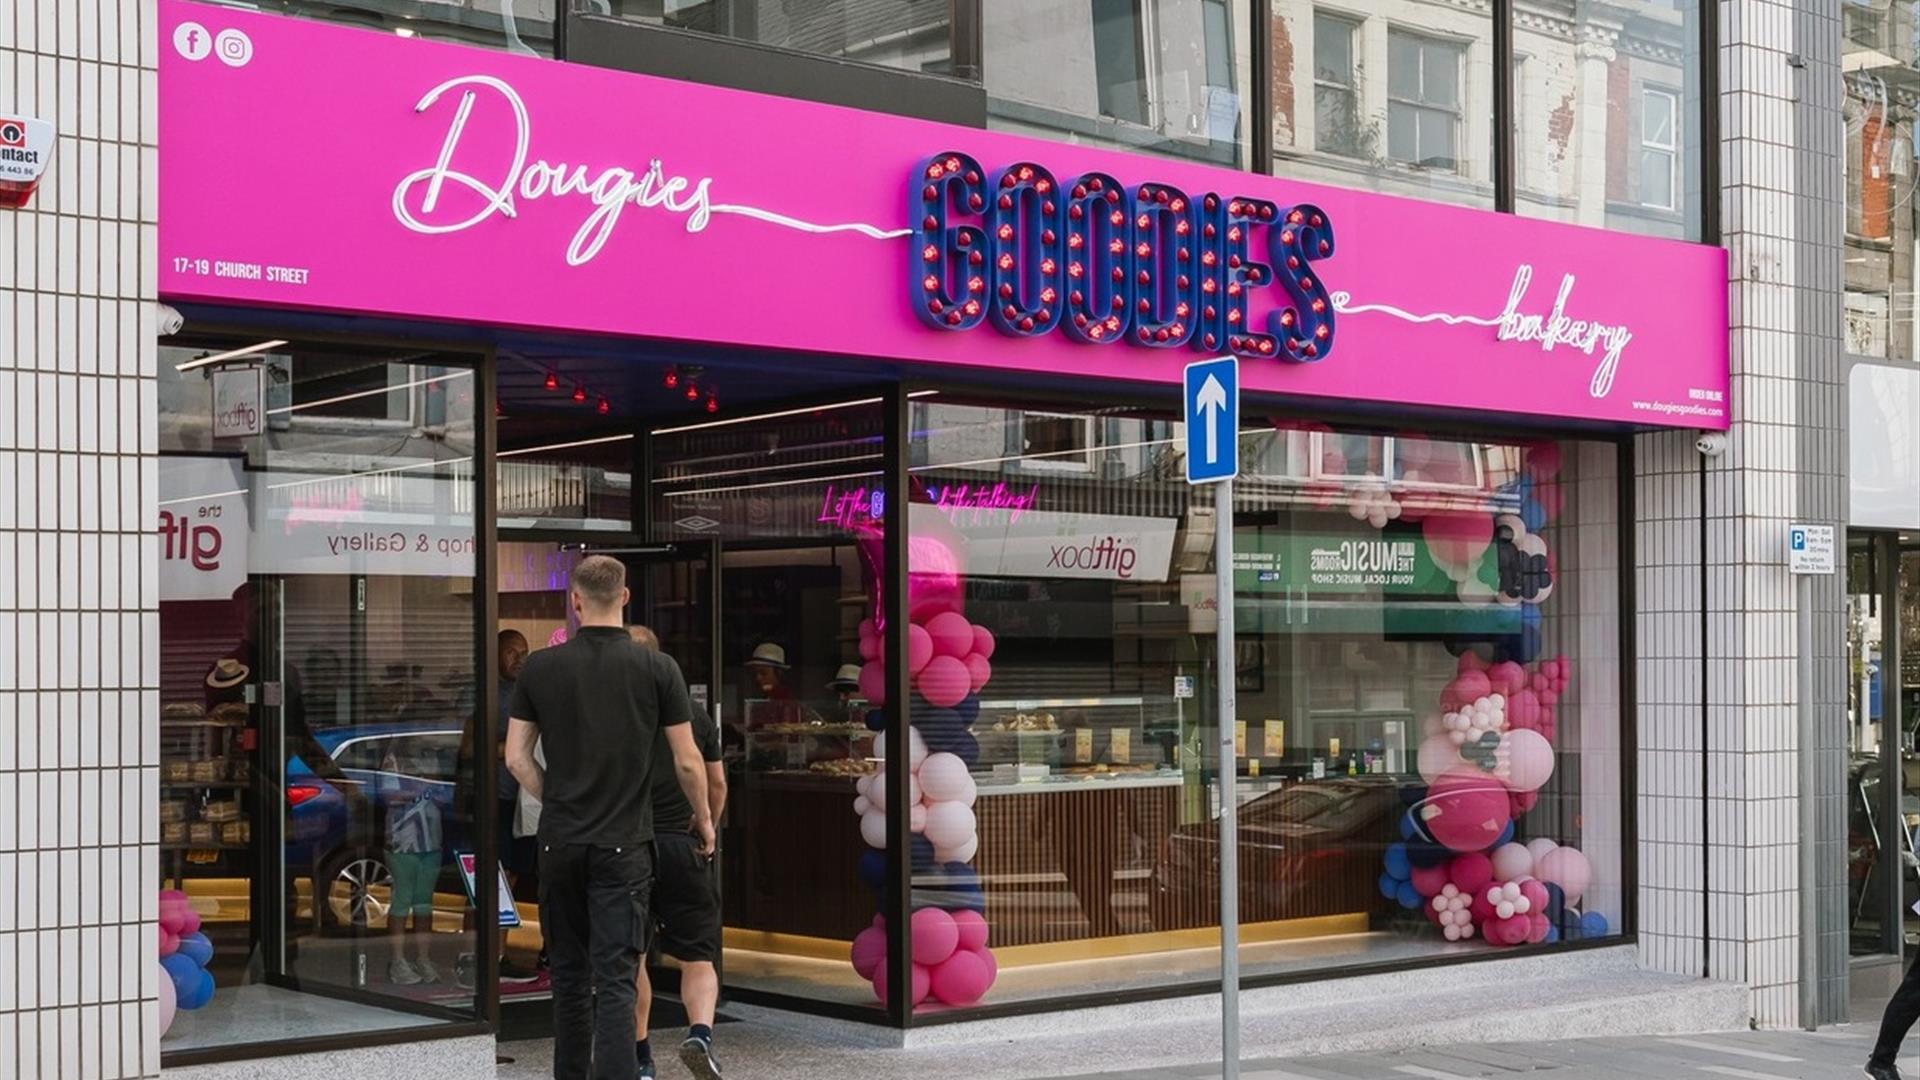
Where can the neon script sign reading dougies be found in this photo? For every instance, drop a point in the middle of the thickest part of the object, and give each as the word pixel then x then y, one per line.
pixel 1101 264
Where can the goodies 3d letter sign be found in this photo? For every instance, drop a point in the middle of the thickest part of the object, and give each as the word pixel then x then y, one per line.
pixel 1102 264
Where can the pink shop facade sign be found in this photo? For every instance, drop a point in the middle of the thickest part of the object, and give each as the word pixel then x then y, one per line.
pixel 330 169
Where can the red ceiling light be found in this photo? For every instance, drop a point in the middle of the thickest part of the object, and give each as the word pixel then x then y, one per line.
pixel 553 381
pixel 693 392
pixel 579 393
pixel 673 378
pixel 713 403
pixel 604 407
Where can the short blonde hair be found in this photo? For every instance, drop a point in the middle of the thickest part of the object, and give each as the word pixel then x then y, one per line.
pixel 599 579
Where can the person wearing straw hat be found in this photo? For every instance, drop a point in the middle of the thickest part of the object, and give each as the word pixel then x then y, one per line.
pixel 769 666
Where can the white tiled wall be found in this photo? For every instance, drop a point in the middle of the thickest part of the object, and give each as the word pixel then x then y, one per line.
pixel 78 758
pixel 1718 537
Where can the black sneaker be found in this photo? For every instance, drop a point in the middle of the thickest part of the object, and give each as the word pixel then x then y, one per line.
pixel 512 972
pixel 1878 1072
pixel 647 1071
pixel 697 1055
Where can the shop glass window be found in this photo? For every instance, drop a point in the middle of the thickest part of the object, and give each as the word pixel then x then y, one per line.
pixel 1877 163
pixel 520 26
pixel 318 662
pixel 915 35
pixel 1399 102
pixel 1659 148
pixel 1606 134
pixel 1423 101
pixel 1392 592
pixel 1162 76
pixel 1336 92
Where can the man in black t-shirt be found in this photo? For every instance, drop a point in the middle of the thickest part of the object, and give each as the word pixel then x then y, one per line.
pixel 686 907
pixel 599 705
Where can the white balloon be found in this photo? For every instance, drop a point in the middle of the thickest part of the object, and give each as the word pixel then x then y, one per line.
pixel 861 805
pixel 1504 909
pixel 945 778
pixel 860 785
pixel 950 825
pixel 916 747
pixel 1539 847
pixel 873 829
pixel 917 818
pixel 1512 862
pixel 964 853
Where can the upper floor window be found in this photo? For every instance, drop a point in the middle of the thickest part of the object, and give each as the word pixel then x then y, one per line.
pixel 1423 101
pixel 1336 87
pixel 1659 148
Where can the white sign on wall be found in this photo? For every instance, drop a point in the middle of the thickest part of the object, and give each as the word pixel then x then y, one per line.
pixel 26 146
pixel 1810 549
pixel 1044 544
pixel 238 402
pixel 204 531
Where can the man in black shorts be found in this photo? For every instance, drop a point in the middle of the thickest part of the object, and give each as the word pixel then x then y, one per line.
pixel 686 907
pixel 599 704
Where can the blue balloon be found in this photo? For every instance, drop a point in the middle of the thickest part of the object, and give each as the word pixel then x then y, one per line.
pixel 1553 934
pixel 201 992
pixel 967 748
pixel 922 853
pixel 184 973
pixel 969 708
pixel 1413 794
pixel 197 948
pixel 1533 514
pixel 873 868
pixel 1397 864
pixel 1593 924
pixel 1556 903
pixel 941 729
pixel 1389 885
pixel 1506 836
pixel 1408 896
pixel 876 719
pixel 1408 828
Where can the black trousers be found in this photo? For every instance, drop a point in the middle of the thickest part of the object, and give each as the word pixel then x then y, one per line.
pixel 1902 1010
pixel 593 912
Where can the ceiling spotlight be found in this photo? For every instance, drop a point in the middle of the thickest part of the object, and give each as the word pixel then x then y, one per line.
pixel 579 392
pixel 713 403
pixel 553 381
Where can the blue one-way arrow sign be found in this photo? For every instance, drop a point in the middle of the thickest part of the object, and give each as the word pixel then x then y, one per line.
pixel 1213 420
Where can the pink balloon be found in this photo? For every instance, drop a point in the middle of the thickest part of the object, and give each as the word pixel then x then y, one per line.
pixel 1536 928
pixel 873 682
pixel 1529 758
pixel 1471 872
pixel 952 634
pixel 869 647
pixel 1543 460
pixel 1457 538
pixel 934 584
pixel 922 983
pixel 869 951
pixel 1506 677
pixel 867 628
pixel 1466 810
pixel 972 927
pixel 919 648
pixel 1523 801
pixel 945 682
pixel 1465 689
pixel 1568 868
pixel 962 980
pixel 1429 880
pixel 1536 893
pixel 983 642
pixel 935 936
pixel 993 966
pixel 169 943
pixel 189 923
pixel 1523 710
pixel 979 670
pixel 1473 661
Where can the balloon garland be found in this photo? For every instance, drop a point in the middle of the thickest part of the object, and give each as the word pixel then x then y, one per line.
pixel 185 982
pixel 949 661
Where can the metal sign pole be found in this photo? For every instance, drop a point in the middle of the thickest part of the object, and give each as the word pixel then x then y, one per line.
pixel 1229 801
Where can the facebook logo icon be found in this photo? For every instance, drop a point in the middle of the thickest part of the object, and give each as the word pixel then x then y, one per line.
pixel 192 41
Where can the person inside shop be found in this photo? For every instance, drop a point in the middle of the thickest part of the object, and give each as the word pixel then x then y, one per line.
pixel 599 704
pixel 518 854
pixel 845 686
pixel 686 905
pixel 414 833
pixel 769 667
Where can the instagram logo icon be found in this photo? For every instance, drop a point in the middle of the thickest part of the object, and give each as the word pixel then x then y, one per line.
pixel 192 41
pixel 233 47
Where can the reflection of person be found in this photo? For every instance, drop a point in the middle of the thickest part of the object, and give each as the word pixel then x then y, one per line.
pixel 846 683
pixel 598 705
pixel 413 860
pixel 686 907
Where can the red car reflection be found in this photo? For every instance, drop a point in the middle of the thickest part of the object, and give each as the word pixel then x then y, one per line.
pixel 1312 848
